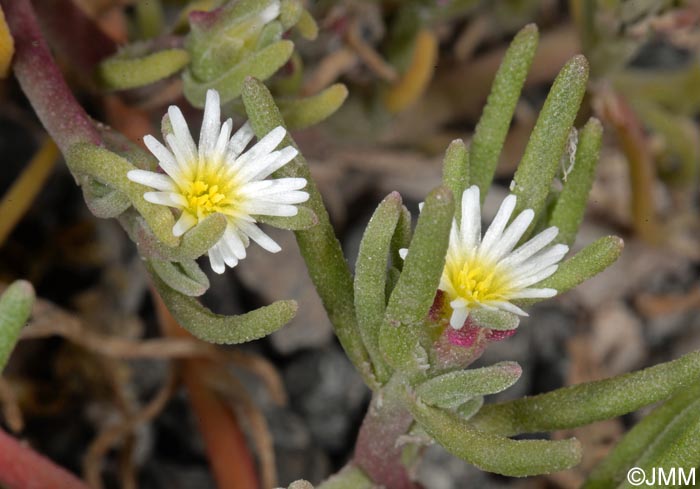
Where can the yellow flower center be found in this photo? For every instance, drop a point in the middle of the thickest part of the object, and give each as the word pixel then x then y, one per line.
pixel 208 193
pixel 475 281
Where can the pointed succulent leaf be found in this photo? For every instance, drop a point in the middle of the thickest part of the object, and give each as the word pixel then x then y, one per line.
pixel 586 403
pixel 110 169
pixel 318 245
pixel 103 201
pixel 500 320
pixel 305 112
pixel 491 131
pixel 290 13
pixel 537 169
pixel 471 407
pixel 571 204
pixel 304 219
pixel 185 277
pixel 215 328
pixel 370 277
pixel 401 238
pixel 15 307
pixel 656 434
pixel 392 278
pixel 493 453
pixel 261 64
pixel 121 72
pixel 194 243
pixel 455 172
pixel 414 293
pixel 585 264
pixel 307 26
pixel 453 389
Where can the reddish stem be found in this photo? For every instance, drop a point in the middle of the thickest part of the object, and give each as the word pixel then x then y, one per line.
pixel 23 468
pixel 376 451
pixel 42 81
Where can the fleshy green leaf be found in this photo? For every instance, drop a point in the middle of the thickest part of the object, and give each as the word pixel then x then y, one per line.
pixel 261 64
pixel 304 219
pixel 455 172
pixel 471 407
pixel 110 169
pixel 414 293
pixel 370 277
pixel 493 453
pixel 318 245
pixel 103 201
pixel 500 320
pixel 307 26
pixel 453 389
pixel 215 328
pixel 121 73
pixel 586 403
pixel 185 277
pixel 401 238
pixel 194 243
pixel 571 204
pixel 540 162
pixel 652 436
pixel 15 307
pixel 491 131
pixel 305 112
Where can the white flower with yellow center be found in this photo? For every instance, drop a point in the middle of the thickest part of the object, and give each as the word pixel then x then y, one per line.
pixel 218 176
pixel 488 273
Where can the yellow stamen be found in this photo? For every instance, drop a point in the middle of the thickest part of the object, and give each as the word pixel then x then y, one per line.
pixel 475 281
pixel 210 192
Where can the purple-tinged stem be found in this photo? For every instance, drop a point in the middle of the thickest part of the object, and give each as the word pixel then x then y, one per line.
pixel 42 81
pixel 376 450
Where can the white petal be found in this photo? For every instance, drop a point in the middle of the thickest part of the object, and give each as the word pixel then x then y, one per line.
pixel 540 261
pixel 234 242
pixel 535 277
pixel 268 187
pixel 165 157
pixel 239 141
pixel 493 233
pixel 470 228
pixel 511 235
pixel 263 147
pixel 263 208
pixel 256 234
pixel 227 253
pixel 531 247
pixel 459 316
pixel 216 260
pixel 403 253
pixel 182 142
pixel 285 155
pixel 219 150
pixel 534 294
pixel 151 179
pixel 184 224
pixel 211 124
pixel 270 13
pixel 170 199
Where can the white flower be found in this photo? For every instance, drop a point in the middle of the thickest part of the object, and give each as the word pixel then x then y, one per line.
pixel 487 272
pixel 218 176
